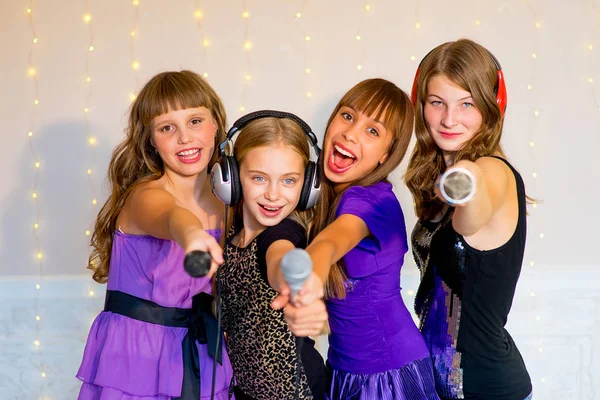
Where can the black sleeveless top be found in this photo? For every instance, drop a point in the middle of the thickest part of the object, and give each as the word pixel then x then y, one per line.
pixel 463 303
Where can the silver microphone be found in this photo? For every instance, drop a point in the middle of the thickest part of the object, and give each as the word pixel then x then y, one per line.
pixel 457 185
pixel 296 267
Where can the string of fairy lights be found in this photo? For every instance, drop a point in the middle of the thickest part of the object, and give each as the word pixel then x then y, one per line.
pixel 592 52
pixel 31 134
pixel 247 61
pixel 133 35
pixel 535 113
pixel 91 140
pixel 300 17
pixel 199 16
pixel 359 38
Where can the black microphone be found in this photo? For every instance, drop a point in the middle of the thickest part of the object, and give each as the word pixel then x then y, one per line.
pixel 197 263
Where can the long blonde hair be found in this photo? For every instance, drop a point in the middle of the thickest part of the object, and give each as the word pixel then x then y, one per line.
pixel 377 98
pixel 471 67
pixel 271 131
pixel 135 161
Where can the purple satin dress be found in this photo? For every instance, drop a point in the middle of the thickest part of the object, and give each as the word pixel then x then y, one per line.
pixel 375 349
pixel 128 359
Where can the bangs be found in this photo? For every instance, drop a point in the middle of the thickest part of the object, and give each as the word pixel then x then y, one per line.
pixel 174 92
pixel 382 101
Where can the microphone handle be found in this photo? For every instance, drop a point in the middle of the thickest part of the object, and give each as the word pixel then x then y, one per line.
pixel 197 263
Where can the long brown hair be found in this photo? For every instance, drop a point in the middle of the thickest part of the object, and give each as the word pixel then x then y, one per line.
pixel 134 160
pixel 469 66
pixel 270 131
pixel 377 98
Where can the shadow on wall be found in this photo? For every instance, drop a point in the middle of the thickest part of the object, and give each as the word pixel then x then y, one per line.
pixel 65 193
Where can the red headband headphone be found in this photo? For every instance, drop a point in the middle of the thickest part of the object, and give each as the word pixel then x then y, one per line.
pixel 499 89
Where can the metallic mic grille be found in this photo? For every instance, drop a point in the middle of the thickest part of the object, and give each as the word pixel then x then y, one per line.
pixel 458 185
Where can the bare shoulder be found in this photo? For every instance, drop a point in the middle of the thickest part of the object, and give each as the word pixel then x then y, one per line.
pixel 493 167
pixel 145 200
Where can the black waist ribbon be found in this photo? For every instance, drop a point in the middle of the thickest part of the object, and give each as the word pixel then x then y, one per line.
pixel 201 324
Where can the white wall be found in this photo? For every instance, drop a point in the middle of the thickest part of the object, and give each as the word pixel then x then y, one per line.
pixel 168 37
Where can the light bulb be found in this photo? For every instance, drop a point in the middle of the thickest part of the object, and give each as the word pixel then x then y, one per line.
pixel 87 18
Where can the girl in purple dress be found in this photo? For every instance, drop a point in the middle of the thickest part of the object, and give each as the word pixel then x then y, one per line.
pixel 156 337
pixel 375 348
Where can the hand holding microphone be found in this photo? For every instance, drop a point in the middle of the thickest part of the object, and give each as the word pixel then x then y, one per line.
pixel 203 255
pixel 306 315
pixel 305 286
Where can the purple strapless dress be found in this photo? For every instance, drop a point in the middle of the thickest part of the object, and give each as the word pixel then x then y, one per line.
pixel 128 359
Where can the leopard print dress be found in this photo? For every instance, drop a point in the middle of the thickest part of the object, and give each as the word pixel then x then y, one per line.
pixel 261 347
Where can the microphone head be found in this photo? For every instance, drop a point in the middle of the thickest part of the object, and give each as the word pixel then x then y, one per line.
pixel 197 263
pixel 457 185
pixel 296 267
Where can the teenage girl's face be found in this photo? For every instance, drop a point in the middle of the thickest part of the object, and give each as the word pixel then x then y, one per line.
pixel 185 139
pixel 355 144
pixel 450 114
pixel 272 179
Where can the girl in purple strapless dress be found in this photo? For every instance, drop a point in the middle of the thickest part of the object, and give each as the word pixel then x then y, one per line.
pixel 156 337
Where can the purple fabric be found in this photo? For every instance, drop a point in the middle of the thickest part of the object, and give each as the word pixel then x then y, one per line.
pixel 371 329
pixel 440 330
pixel 414 381
pixel 127 359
